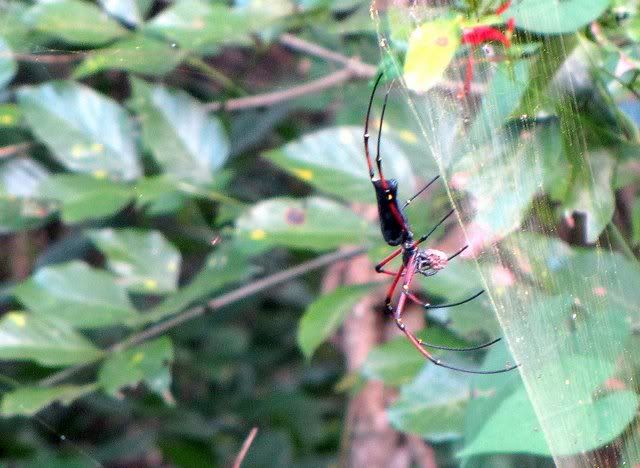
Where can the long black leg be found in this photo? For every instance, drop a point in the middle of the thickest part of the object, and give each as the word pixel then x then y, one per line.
pixel 378 155
pixel 447 348
pixel 458 253
pixel 452 304
pixel 433 229
pixel 366 128
pixel 420 192
pixel 416 342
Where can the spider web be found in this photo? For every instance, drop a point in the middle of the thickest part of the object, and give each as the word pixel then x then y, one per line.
pixel 530 179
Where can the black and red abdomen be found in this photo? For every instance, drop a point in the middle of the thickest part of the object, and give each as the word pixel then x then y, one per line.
pixel 393 224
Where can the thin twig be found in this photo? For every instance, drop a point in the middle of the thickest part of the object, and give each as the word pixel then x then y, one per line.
pixel 214 304
pixel 316 50
pixel 268 99
pixel 245 448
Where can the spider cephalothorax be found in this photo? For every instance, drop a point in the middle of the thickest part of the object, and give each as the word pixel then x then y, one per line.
pixel 396 231
pixel 430 261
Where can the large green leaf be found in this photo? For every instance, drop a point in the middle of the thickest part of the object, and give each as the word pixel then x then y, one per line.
pixel 76 294
pixel 195 24
pixel 27 401
pixel 592 193
pixel 20 208
pixel 136 54
pixel 49 343
pixel 225 266
pixel 502 98
pixel 83 198
pixel 131 12
pixel 74 21
pixel 185 139
pixel 521 162
pixel 143 260
pixel 397 362
pixel 591 425
pixel 332 160
pixel 149 363
pixel 325 315
pixel 86 131
pixel 8 66
pixel 433 405
pixel 553 16
pixel 312 223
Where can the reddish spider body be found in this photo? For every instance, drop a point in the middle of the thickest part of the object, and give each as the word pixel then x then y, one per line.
pixel 482 34
pixel 396 232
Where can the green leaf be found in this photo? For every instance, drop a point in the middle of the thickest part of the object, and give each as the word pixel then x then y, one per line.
pixel 85 131
pixel 9 115
pixel 592 193
pixel 635 222
pixel 592 425
pixel 554 17
pixel 397 362
pixel 8 65
pixel 333 161
pixel 502 98
pixel 131 12
pixel 51 344
pixel 149 363
pixel 143 260
pixel 312 223
pixel 196 25
pixel 325 315
pixel 136 54
pixel 83 198
pixel 76 294
pixel 225 266
pixel 432 46
pixel 20 209
pixel 27 401
pixel 185 139
pixel 433 405
pixel 504 179
pixel 75 22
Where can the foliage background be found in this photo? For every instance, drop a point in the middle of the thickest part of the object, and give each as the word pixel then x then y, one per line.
pixel 176 176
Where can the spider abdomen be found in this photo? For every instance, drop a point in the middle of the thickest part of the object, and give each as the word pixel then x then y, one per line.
pixel 392 220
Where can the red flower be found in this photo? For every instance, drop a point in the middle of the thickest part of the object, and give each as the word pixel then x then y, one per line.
pixel 481 34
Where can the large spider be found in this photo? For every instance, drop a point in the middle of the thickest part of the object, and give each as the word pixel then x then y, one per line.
pixel 397 232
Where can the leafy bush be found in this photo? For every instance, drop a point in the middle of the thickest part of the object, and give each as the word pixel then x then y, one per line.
pixel 164 165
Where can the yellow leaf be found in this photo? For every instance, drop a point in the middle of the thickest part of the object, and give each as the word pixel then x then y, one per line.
pixel 431 48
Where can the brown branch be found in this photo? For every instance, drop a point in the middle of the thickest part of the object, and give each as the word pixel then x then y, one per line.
pixel 268 99
pixel 214 304
pixel 310 48
pixel 245 448
pixel 50 58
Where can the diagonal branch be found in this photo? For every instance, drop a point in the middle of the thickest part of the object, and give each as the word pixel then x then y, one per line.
pixel 213 305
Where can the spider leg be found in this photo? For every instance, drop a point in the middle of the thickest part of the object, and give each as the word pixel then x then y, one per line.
pixel 366 129
pixel 414 299
pixel 387 259
pixel 378 155
pixel 458 253
pixel 452 304
pixel 417 342
pixel 427 235
pixel 392 288
pixel 419 192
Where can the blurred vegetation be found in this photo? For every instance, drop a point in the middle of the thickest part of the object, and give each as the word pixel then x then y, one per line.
pixel 175 175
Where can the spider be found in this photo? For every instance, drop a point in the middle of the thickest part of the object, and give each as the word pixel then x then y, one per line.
pixel 396 231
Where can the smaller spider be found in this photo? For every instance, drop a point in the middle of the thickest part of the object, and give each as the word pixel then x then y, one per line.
pixel 397 232
pixel 482 34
